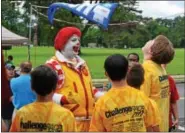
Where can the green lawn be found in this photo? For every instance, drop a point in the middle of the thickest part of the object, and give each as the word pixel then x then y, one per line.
pixel 94 56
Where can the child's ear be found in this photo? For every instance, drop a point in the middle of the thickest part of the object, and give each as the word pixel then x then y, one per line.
pixel 150 52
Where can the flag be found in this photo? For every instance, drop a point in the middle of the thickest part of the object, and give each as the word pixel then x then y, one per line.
pixel 99 13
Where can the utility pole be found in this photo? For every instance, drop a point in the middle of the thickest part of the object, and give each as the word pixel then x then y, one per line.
pixel 30 32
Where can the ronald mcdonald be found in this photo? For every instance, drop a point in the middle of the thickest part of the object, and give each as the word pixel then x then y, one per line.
pixel 74 89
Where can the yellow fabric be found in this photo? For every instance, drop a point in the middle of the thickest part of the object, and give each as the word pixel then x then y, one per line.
pixel 123 110
pixel 82 126
pixel 156 86
pixel 156 118
pixel 43 116
pixel 78 90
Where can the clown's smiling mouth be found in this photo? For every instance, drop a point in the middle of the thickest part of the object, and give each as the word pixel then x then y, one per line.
pixel 76 49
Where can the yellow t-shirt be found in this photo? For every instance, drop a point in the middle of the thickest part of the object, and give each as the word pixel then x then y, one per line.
pixel 156 87
pixel 124 110
pixel 45 117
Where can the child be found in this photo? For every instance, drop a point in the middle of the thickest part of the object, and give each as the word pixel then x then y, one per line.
pixel 10 60
pixel 174 97
pixel 21 88
pixel 156 86
pixel 135 78
pixel 122 108
pixel 133 58
pixel 43 115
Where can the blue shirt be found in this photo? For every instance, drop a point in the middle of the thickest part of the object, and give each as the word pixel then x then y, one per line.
pixel 22 92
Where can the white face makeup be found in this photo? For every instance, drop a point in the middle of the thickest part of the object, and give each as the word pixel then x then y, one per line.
pixel 72 47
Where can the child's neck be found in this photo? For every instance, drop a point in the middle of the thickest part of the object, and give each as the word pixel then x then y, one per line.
pixel 119 84
pixel 147 57
pixel 47 98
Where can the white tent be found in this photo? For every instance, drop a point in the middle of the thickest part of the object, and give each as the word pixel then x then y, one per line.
pixel 9 38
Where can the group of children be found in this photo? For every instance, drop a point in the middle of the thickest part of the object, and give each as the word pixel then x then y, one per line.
pixel 138 99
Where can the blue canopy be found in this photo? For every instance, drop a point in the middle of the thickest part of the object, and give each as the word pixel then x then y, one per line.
pixel 98 13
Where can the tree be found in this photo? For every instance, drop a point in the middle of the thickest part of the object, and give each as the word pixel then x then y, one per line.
pixel 12 19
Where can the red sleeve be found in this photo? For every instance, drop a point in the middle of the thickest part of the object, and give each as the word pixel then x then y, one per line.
pixel 5 87
pixel 173 90
pixel 58 68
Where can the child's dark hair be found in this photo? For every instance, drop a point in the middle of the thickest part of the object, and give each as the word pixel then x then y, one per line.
pixel 135 76
pixel 116 67
pixel 10 57
pixel 43 80
pixel 26 67
pixel 133 54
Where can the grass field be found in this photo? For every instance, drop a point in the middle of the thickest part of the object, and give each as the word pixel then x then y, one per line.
pixel 94 56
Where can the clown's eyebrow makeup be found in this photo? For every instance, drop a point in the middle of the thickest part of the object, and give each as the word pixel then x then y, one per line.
pixel 74 39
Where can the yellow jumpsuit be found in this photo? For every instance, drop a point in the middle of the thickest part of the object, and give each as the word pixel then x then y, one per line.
pixel 77 88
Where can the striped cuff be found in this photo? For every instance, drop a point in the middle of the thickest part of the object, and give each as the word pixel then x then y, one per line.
pixel 98 94
pixel 63 100
pixel 57 98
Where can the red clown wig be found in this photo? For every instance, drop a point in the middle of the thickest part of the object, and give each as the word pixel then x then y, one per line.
pixel 63 36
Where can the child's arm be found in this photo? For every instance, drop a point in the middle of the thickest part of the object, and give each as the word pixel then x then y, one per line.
pixel 173 100
pixel 15 124
pixel 175 114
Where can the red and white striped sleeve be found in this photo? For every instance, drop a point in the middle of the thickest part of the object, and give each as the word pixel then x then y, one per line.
pixel 58 69
pixel 58 98
pixel 97 93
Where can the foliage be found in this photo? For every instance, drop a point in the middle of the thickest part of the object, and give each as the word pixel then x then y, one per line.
pixel 120 36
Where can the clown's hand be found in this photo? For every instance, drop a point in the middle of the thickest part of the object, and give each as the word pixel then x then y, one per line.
pixel 70 98
pixel 73 98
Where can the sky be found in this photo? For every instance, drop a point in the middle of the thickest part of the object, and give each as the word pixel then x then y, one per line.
pixel 164 9
pixel 158 9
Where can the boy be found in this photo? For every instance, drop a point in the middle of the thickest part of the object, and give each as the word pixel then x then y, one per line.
pixel 43 115
pixel 133 58
pixel 135 78
pixel 156 86
pixel 21 88
pixel 122 108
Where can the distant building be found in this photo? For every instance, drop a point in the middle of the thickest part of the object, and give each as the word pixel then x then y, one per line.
pixel 92 45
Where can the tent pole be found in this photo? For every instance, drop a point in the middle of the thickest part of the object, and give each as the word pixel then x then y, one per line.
pixel 5 54
pixel 30 32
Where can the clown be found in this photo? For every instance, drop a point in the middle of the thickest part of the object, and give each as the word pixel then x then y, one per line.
pixel 74 89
